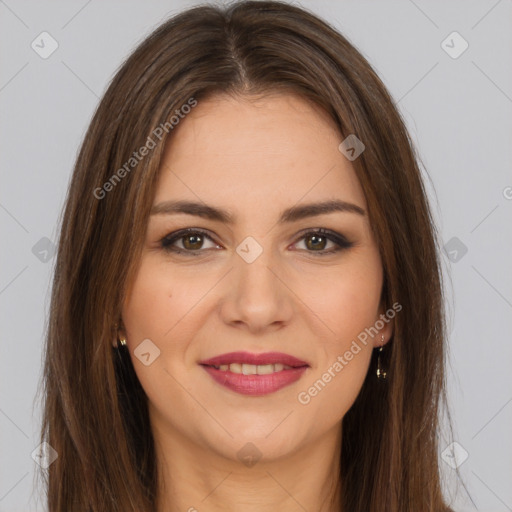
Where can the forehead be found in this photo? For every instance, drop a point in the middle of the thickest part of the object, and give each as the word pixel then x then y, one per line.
pixel 241 151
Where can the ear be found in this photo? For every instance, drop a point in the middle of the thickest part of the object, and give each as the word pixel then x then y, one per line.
pixel 385 323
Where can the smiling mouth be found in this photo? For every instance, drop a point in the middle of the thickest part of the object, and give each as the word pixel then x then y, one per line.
pixel 254 380
pixel 255 374
pixel 253 369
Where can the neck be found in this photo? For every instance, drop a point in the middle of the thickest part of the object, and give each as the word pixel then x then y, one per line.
pixel 196 479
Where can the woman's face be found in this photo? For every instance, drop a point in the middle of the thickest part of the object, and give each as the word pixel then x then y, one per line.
pixel 247 177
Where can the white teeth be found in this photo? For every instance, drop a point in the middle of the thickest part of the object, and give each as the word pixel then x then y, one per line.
pixel 235 368
pixel 249 369
pixel 253 369
pixel 265 369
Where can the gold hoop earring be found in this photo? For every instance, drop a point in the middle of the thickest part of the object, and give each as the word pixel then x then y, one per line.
pixel 381 374
pixel 119 339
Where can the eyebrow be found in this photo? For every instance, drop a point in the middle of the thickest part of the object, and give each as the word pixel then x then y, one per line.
pixel 292 214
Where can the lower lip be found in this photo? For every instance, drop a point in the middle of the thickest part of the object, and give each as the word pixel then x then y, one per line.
pixel 255 385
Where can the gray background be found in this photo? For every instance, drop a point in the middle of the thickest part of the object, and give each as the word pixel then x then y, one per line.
pixel 458 110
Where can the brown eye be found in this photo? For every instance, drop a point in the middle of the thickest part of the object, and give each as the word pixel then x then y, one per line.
pixel 323 242
pixel 192 242
pixel 316 242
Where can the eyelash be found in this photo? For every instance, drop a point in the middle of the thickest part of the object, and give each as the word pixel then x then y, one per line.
pixel 338 239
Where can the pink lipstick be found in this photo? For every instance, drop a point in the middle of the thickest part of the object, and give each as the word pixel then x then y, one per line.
pixel 255 374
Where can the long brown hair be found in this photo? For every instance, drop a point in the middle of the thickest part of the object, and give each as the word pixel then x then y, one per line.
pixel 95 411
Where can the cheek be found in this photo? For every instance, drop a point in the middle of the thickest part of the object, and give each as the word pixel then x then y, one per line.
pixel 159 300
pixel 150 297
pixel 346 301
pixel 347 304
pixel 156 309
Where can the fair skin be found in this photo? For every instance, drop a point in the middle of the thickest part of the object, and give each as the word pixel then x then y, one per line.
pixel 253 158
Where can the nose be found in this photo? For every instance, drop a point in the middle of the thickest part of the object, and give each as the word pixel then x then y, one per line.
pixel 256 298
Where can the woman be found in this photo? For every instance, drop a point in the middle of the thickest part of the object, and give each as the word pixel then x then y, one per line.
pixel 247 307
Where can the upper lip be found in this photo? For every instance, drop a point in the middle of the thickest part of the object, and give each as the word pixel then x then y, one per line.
pixel 256 359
